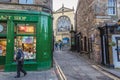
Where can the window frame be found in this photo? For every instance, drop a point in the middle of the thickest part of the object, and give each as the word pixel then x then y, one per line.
pixel 111 7
pixel 25 2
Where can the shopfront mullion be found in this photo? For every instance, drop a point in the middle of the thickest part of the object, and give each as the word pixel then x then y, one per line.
pixel 10 42
pixel 38 41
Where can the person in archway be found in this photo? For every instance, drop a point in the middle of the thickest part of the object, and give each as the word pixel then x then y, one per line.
pixel 56 46
pixel 60 45
pixel 19 57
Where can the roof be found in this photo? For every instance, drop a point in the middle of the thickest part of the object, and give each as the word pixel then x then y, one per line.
pixel 64 9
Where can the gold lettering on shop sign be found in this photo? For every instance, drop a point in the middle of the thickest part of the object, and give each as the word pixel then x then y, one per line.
pixel 4 17
pixel 9 17
pixel 19 18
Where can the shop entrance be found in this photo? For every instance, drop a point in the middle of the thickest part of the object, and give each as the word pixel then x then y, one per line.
pixel 25 38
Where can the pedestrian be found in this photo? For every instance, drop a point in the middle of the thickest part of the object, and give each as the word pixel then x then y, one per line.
pixel 19 58
pixel 60 45
pixel 56 46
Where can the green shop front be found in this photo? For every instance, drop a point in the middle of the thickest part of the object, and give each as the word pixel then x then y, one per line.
pixel 29 30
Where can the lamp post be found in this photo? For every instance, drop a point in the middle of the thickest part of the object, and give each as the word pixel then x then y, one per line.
pixel 72 38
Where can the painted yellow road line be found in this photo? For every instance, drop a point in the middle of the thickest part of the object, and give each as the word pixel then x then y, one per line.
pixel 106 73
pixel 60 72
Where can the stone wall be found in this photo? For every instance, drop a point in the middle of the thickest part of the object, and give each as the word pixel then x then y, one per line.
pixel 38 5
pixel 90 15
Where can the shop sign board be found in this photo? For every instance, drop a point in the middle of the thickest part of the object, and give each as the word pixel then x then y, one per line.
pixel 5 17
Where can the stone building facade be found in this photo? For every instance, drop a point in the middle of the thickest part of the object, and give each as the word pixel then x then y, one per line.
pixel 63 21
pixel 90 15
pixel 31 5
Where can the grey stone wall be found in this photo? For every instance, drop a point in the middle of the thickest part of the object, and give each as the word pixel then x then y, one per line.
pixel 87 22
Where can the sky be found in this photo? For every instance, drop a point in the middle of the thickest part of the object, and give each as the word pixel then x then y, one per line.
pixel 67 3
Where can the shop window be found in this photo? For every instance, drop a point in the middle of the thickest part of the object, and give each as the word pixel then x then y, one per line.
pixel 28 45
pixel 2 47
pixel 25 29
pixel 25 38
pixel 3 31
pixel 25 1
pixel 3 27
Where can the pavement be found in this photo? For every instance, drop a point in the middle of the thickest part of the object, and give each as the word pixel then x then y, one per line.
pixel 32 75
pixel 112 71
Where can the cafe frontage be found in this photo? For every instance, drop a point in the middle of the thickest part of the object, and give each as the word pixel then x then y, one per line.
pixel 29 30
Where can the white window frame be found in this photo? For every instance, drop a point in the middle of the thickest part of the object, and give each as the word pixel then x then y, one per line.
pixel 111 7
pixel 26 2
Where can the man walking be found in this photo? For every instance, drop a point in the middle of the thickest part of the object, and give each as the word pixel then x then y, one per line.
pixel 19 57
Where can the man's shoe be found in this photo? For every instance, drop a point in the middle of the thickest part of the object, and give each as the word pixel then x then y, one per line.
pixel 17 77
pixel 25 74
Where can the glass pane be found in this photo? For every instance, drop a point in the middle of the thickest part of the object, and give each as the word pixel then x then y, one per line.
pixel 29 1
pixel 22 1
pixel 3 27
pixel 111 11
pixel 25 28
pixel 118 49
pixel 111 3
pixel 26 1
pixel 63 24
pixel 2 47
pixel 28 45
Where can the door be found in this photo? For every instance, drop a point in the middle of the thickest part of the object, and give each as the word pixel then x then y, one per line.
pixel 116 51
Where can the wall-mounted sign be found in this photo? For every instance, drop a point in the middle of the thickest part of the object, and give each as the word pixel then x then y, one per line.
pixel 1 28
pixel 28 29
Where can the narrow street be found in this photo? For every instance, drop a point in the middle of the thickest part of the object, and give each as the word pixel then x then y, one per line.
pixel 75 67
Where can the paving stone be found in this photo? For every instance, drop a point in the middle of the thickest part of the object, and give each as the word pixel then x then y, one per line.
pixel 32 75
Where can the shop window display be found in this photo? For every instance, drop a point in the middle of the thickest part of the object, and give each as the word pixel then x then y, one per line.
pixel 25 29
pixel 28 44
pixel 2 47
pixel 3 30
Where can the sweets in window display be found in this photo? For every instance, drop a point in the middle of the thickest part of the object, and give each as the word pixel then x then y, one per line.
pixel 2 47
